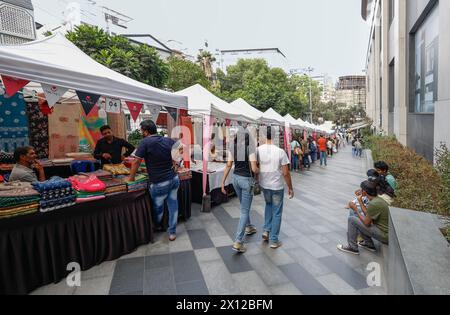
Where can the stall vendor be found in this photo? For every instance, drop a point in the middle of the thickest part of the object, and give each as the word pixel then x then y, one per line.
pixel 26 165
pixel 109 148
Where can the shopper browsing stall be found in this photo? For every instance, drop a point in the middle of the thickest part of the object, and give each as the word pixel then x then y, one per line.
pixel 158 153
pixel 26 166
pixel 109 148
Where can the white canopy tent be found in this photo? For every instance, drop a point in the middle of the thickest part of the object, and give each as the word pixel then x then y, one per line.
pixel 272 115
pixel 251 111
pixel 203 102
pixel 57 61
pixel 305 124
pixel 291 120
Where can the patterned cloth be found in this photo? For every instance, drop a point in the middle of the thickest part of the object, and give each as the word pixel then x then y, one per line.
pixel 38 130
pixel 63 130
pixel 13 123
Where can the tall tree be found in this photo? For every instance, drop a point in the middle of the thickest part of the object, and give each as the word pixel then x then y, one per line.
pixel 206 60
pixel 183 74
pixel 138 62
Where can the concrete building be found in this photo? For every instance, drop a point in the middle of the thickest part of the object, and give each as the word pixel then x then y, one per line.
pixel 16 22
pixel 351 90
pixel 274 57
pixel 328 88
pixel 408 71
pixel 146 39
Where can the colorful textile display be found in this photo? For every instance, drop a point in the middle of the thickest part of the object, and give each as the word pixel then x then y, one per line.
pixel 63 130
pixel 89 129
pixel 6 158
pixel 17 199
pixel 114 187
pixel 13 123
pixel 140 183
pixel 38 130
pixel 88 188
pixel 117 169
pixel 101 175
pixel 56 193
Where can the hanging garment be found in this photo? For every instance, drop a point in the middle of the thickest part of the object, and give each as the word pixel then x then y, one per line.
pixel 63 130
pixel 13 123
pixel 89 129
pixel 38 130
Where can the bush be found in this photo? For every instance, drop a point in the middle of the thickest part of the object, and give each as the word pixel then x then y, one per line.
pixel 420 186
pixel 443 167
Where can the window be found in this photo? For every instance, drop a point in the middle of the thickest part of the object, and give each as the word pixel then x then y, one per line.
pixel 426 64
pixel 392 86
pixel 391 11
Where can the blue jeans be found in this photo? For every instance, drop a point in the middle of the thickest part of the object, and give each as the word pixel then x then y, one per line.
pixel 306 160
pixel 274 212
pixel 314 156
pixel 242 186
pixel 295 162
pixel 166 192
pixel 323 158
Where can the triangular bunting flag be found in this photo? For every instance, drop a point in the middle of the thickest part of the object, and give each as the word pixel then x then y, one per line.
pixel 172 112
pixel 154 111
pixel 113 105
pixel 13 85
pixel 135 109
pixel 53 93
pixel 88 101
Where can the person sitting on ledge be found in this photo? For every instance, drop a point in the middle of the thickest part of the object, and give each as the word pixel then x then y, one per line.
pixel 27 164
pixel 383 169
pixel 375 225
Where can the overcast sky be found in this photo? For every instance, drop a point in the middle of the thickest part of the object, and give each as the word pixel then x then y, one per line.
pixel 328 35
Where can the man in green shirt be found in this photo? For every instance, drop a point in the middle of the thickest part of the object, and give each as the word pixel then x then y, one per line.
pixel 374 226
pixel 383 169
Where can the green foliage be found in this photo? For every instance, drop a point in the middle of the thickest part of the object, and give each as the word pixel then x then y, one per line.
pixel 338 113
pixel 183 74
pixel 443 167
pixel 135 138
pixel 421 187
pixel 138 62
pixel 265 87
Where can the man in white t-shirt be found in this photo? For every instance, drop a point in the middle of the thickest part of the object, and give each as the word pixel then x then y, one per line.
pixel 274 171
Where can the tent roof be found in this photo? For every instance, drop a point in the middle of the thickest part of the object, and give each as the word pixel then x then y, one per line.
pixel 203 102
pixel 57 61
pixel 291 120
pixel 271 114
pixel 251 111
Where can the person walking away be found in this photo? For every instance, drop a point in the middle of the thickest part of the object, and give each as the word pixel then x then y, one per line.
pixel 322 144
pixel 330 147
pixel 306 153
pixel 159 154
pixel 244 170
pixel 274 166
pixel 313 148
pixel 358 148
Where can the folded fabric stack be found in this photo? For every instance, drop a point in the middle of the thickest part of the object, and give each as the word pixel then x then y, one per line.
pixel 101 175
pixel 62 162
pixel 6 158
pixel 56 193
pixel 88 188
pixel 80 156
pixel 140 183
pixel 115 187
pixel 18 199
pixel 117 169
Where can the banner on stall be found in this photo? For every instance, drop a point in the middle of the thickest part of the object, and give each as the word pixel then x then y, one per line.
pixel 208 122
pixel 88 101
pixel 13 85
pixel 113 105
pixel 135 109
pixel 154 111
pixel 53 93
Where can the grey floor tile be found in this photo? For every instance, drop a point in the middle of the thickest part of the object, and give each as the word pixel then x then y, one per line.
pixel 128 276
pixel 285 289
pixel 105 269
pixel 186 267
pixel 303 280
pixel 158 261
pixel 278 256
pixel 267 270
pixel 343 270
pixel 235 262
pixel 307 261
pixel 60 288
pixel 312 247
pixel 207 254
pixel 250 283
pixel 336 285
pixel 200 239
pixel 192 288
pixel 94 286
pixel 218 279
pixel 159 281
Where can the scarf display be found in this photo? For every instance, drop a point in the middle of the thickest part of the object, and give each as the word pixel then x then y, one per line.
pixel 17 199
pixel 38 130
pixel 63 130
pixel 140 183
pixel 14 132
pixel 56 193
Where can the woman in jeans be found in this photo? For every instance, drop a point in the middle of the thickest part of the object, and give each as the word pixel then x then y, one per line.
pixel 243 157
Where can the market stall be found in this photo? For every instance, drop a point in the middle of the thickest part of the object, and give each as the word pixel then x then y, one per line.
pixel 84 215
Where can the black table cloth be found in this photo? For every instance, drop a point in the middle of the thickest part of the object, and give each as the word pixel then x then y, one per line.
pixel 36 249
pixel 217 197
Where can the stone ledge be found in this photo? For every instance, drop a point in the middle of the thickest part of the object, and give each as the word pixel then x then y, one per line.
pixel 419 255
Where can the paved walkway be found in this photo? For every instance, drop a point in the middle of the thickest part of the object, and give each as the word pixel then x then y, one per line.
pixel 201 261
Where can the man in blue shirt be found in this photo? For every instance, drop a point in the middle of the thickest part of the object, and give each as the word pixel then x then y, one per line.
pixel 158 153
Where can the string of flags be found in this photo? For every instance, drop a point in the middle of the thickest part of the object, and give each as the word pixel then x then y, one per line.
pixel 53 94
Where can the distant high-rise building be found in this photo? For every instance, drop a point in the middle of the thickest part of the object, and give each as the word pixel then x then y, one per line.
pixel 351 90
pixel 16 22
pixel 328 88
pixel 275 57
